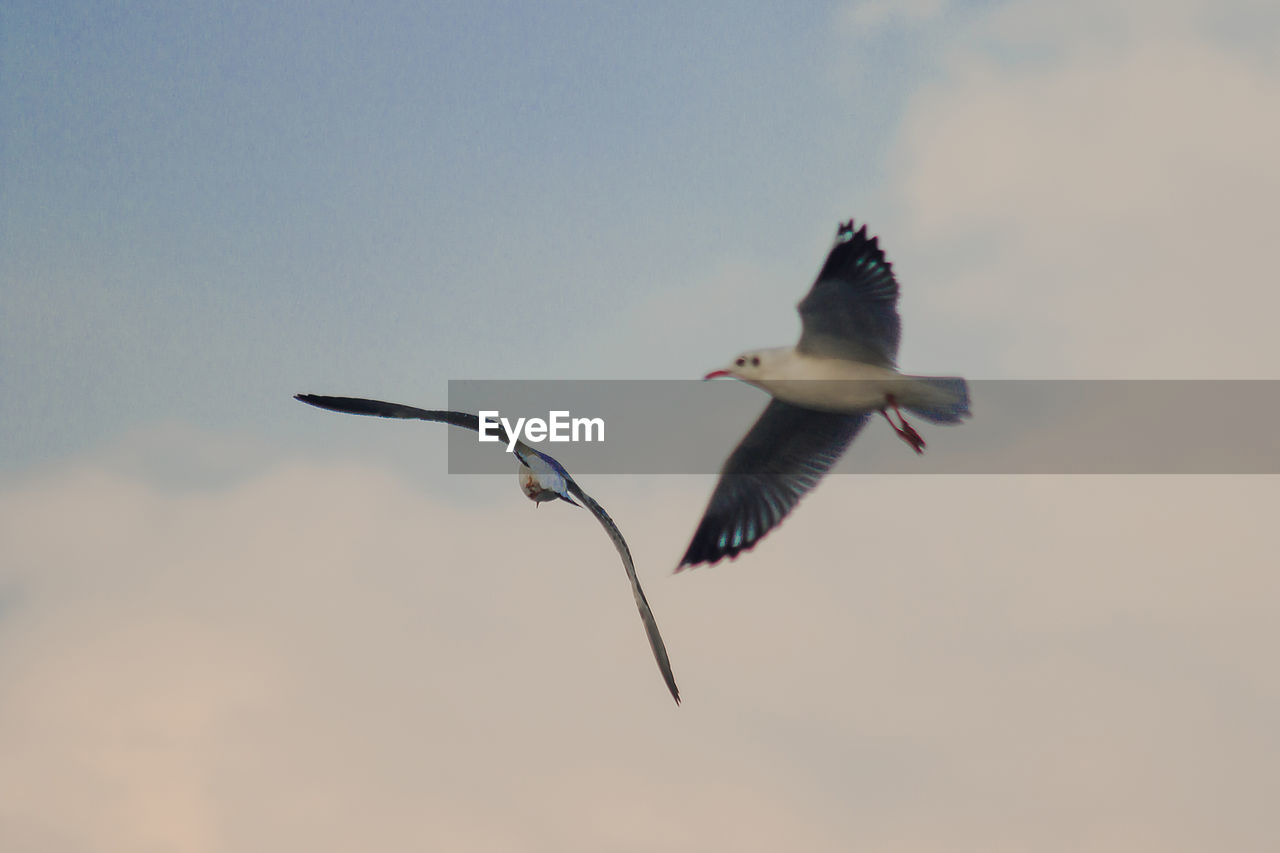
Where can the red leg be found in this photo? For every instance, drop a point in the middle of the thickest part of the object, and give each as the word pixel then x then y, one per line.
pixel 906 432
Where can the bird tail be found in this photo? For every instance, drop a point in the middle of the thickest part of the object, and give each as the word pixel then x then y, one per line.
pixel 938 399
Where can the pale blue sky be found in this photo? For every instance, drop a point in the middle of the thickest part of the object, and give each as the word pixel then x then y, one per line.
pixel 209 206
pixel 229 621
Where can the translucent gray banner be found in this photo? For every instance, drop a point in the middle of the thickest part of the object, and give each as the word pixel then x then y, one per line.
pixel 1017 427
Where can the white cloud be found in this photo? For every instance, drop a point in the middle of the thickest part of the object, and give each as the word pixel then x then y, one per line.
pixel 1122 190
pixel 322 656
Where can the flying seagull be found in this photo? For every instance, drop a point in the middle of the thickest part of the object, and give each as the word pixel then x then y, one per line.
pixel 541 478
pixel 824 389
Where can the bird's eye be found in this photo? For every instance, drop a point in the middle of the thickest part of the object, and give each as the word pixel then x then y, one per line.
pixel 755 361
pixel 740 361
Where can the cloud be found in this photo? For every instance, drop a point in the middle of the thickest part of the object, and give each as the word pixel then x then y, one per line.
pixel 1120 190
pixel 321 655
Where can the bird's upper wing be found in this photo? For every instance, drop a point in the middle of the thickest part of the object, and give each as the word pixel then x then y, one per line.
pixel 380 409
pixel 549 471
pixel 646 615
pixel 778 461
pixel 851 312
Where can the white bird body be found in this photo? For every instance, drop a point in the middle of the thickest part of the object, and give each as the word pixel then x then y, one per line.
pixel 838 385
pixel 540 482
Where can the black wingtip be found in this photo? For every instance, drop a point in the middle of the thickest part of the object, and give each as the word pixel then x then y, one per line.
pixel 844 231
pixel 704 550
pixel 318 400
pixel 670 680
pixel 854 249
pixel 720 536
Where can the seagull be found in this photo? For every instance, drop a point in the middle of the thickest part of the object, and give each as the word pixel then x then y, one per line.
pixel 541 479
pixel 824 389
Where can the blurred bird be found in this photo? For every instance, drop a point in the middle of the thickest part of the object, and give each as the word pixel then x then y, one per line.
pixel 541 479
pixel 841 370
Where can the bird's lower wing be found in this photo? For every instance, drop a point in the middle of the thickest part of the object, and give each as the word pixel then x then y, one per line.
pixel 377 408
pixel 642 604
pixel 780 459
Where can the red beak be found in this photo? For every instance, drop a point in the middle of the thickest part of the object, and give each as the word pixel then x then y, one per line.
pixel 715 374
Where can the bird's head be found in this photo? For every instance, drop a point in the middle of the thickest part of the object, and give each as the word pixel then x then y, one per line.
pixel 749 367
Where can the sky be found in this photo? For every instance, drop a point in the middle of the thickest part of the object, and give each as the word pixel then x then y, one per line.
pixel 231 622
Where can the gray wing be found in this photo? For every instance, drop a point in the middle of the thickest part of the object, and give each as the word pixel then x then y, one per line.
pixel 377 408
pixel 466 420
pixel 646 615
pixel 780 459
pixel 851 311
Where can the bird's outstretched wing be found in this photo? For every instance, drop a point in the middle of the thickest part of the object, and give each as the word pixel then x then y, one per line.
pixel 851 312
pixel 780 459
pixel 646 615
pixel 380 409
